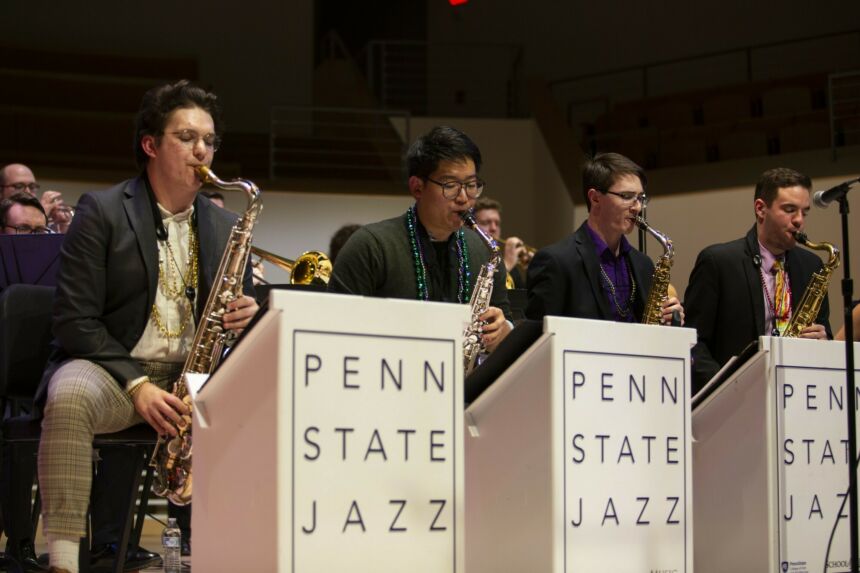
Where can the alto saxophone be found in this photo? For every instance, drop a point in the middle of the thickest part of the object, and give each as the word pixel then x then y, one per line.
pixel 480 301
pixel 807 310
pixel 653 312
pixel 171 458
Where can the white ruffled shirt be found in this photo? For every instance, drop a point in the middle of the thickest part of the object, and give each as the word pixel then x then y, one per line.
pixel 154 346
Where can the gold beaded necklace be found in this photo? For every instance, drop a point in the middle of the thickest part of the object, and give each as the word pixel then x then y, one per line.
pixel 174 289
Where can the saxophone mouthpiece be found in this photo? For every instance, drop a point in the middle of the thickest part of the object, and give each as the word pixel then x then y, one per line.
pixel 800 237
pixel 469 218
pixel 203 173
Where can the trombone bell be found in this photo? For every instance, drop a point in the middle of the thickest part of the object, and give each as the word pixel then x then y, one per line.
pixel 311 268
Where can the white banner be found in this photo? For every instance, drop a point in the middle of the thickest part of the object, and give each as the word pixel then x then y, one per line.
pixel 375 449
pixel 625 470
pixel 813 459
pixel 333 435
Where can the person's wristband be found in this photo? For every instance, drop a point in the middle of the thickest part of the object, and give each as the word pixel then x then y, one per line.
pixel 135 385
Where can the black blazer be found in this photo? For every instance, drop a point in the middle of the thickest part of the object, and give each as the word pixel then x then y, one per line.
pixel 109 272
pixel 725 302
pixel 564 280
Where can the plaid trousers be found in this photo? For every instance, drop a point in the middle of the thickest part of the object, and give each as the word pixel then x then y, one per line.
pixel 83 400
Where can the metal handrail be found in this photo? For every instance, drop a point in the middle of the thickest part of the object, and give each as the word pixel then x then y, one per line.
pixel 748 50
pixel 381 78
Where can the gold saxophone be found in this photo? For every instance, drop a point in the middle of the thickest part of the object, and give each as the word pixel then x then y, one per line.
pixel 653 312
pixel 172 456
pixel 806 311
pixel 481 295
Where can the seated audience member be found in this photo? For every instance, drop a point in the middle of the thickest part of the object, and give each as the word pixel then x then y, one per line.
pixel 23 214
pixel 18 178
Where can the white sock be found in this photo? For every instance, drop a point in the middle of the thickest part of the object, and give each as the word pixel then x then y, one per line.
pixel 64 552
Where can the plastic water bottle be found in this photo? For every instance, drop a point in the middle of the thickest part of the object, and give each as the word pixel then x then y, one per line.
pixel 171 545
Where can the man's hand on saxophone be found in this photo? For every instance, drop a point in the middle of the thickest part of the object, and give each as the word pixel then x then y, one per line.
pixel 670 306
pixel 814 331
pixel 495 329
pixel 241 311
pixel 161 410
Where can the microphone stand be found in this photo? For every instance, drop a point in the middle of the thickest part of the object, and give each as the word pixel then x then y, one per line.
pixel 847 299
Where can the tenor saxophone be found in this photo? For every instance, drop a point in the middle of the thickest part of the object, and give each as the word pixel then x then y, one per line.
pixel 171 458
pixel 807 310
pixel 480 301
pixel 653 312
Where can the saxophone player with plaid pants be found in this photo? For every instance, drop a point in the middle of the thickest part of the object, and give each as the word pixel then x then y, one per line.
pixel 136 267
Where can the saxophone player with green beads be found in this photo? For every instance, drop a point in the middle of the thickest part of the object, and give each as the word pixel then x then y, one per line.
pixel 763 283
pixel 427 253
pixel 595 272
pixel 137 267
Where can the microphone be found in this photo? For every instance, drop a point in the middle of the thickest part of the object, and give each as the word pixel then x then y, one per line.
pixel 824 198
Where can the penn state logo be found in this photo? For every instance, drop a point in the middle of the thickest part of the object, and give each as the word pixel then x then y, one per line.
pixel 784 566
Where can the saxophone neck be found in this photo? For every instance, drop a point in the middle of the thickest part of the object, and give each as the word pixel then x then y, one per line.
pixel 252 192
pixel 496 255
pixel 662 238
pixel 832 250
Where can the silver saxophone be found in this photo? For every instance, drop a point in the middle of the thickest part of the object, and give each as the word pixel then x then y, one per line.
pixel 481 294
pixel 171 458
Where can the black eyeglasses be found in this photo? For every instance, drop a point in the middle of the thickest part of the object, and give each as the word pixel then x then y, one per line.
pixel 631 196
pixel 33 187
pixel 450 189
pixel 28 230
pixel 190 138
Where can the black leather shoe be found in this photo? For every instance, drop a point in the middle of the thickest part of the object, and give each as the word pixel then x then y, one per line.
pixel 103 556
pixel 186 547
pixel 25 555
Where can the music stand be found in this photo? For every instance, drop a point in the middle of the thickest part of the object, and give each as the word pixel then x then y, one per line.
pixel 29 259
pixel 729 368
pixel 506 353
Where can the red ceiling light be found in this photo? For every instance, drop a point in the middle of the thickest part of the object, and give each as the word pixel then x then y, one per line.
pixel 457 2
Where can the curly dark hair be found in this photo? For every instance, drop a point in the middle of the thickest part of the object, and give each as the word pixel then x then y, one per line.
pixel 159 102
